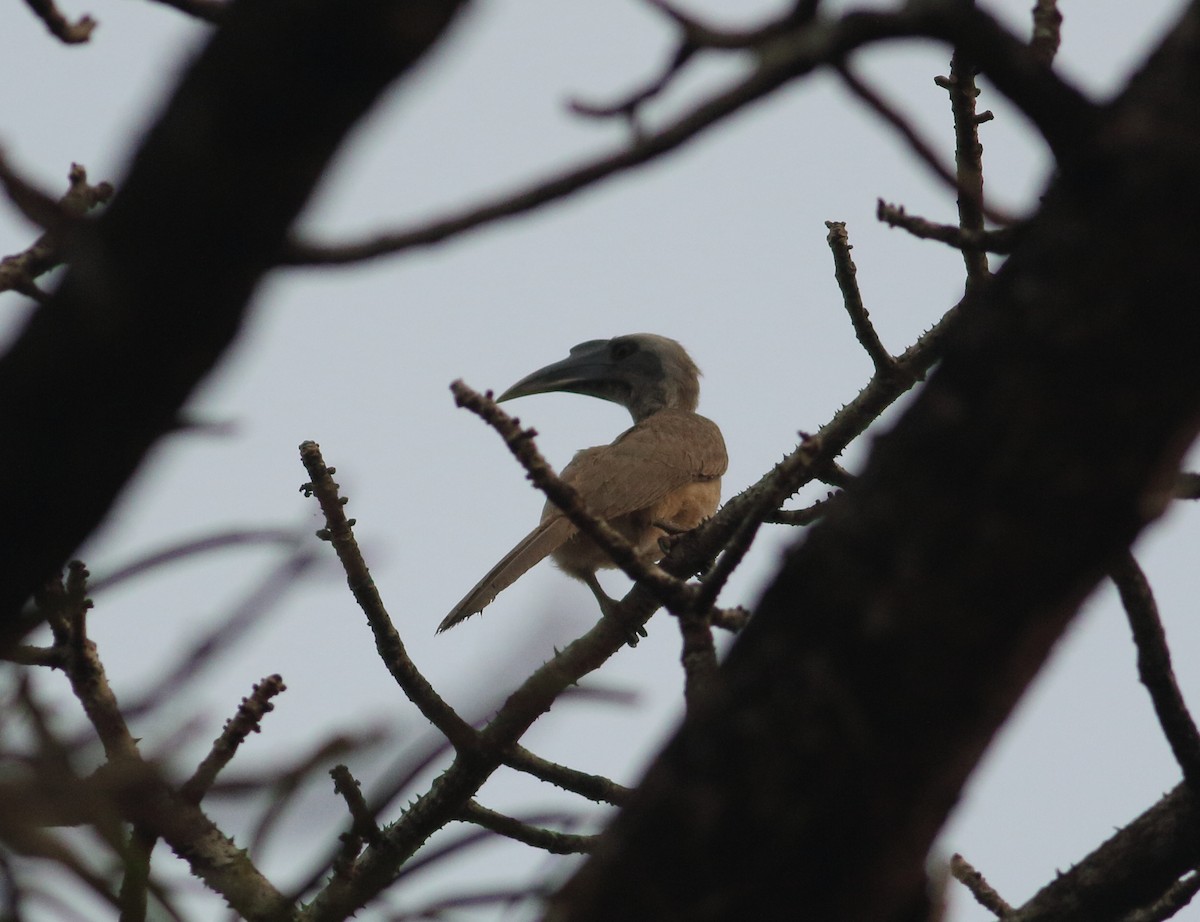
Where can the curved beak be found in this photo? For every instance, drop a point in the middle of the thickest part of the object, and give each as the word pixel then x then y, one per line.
pixel 587 370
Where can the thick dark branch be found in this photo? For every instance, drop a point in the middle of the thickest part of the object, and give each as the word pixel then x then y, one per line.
pixel 150 302
pixel 213 11
pixel 899 635
pixel 1170 903
pixel 1138 866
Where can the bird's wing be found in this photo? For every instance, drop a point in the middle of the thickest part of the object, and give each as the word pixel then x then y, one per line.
pixel 669 450
pixel 662 453
pixel 540 542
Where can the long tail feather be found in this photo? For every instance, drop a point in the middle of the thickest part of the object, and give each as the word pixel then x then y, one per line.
pixel 539 543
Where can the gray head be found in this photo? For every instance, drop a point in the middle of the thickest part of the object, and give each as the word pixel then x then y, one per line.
pixel 642 372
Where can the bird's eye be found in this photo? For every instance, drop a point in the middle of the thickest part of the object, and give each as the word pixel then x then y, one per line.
pixel 623 349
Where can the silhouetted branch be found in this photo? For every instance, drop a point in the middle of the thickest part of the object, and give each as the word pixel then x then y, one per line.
pixel 1170 903
pixel 1060 111
pixel 168 325
pixel 1154 667
pixel 968 159
pixel 557 843
pixel 805 516
pixel 339 533
pixel 845 273
pixel 593 787
pixel 993 241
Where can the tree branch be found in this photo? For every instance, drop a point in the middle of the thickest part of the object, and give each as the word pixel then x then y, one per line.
pixel 392 651
pixel 238 150
pixel 1154 667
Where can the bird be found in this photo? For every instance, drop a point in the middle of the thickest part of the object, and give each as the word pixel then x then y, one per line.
pixel 660 477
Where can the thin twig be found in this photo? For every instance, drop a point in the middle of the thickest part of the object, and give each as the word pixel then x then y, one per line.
pixel 805 516
pixel 993 241
pixel 968 159
pixel 983 892
pixel 1154 667
pixel 247 720
pixel 1058 110
pixel 339 532
pixel 557 843
pixel 730 619
pixel 362 819
pixel 69 33
pixel 846 274
pixel 593 787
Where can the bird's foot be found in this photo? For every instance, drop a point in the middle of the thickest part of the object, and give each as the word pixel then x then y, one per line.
pixel 674 533
pixel 612 609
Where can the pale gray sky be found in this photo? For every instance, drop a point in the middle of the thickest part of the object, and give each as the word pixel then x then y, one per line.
pixel 720 245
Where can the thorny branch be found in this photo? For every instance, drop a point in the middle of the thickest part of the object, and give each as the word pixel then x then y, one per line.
pixel 549 840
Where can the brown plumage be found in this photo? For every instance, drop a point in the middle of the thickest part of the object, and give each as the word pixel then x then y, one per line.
pixel 660 477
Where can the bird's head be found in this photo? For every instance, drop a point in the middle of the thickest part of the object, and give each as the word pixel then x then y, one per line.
pixel 642 372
